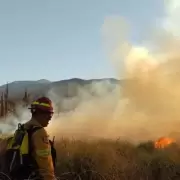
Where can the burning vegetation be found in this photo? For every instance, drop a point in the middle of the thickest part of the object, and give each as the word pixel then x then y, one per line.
pixel 164 142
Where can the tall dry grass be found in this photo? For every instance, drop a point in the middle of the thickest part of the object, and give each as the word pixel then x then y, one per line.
pixel 116 160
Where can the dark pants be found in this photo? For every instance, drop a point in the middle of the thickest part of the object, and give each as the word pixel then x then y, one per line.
pixel 26 175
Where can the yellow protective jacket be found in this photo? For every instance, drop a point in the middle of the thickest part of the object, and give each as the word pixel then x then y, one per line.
pixel 42 151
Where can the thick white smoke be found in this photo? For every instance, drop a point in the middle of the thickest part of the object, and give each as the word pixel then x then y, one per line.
pixel 172 14
pixel 145 106
pixel 9 124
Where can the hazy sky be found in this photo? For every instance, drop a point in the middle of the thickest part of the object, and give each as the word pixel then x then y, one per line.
pixel 59 39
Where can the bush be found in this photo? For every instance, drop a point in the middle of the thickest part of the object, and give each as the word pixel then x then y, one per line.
pixel 114 160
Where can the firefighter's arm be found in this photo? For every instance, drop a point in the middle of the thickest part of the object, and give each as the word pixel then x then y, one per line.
pixel 42 152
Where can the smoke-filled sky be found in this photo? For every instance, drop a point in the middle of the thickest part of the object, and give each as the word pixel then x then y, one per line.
pixel 59 39
pixel 93 41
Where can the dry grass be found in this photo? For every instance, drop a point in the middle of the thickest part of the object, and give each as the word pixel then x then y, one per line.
pixel 116 160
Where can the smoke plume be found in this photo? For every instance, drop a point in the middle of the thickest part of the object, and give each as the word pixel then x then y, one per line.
pixel 9 124
pixel 146 104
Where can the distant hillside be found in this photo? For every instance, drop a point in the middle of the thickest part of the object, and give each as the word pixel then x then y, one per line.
pixel 64 88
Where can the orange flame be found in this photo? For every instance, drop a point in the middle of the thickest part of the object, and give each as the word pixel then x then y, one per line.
pixel 163 142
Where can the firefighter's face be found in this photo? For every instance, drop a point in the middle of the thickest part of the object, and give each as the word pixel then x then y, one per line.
pixel 45 117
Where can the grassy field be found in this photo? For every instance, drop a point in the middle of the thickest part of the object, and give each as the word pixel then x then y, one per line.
pixel 116 160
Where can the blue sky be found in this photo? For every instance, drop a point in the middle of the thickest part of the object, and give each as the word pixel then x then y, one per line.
pixel 60 39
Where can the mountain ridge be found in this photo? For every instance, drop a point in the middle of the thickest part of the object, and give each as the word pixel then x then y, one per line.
pixel 17 89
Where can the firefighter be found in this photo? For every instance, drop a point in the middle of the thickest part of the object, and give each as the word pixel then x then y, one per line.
pixel 42 112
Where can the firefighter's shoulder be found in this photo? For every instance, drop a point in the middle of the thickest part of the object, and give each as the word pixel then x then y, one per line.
pixel 41 143
pixel 41 134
